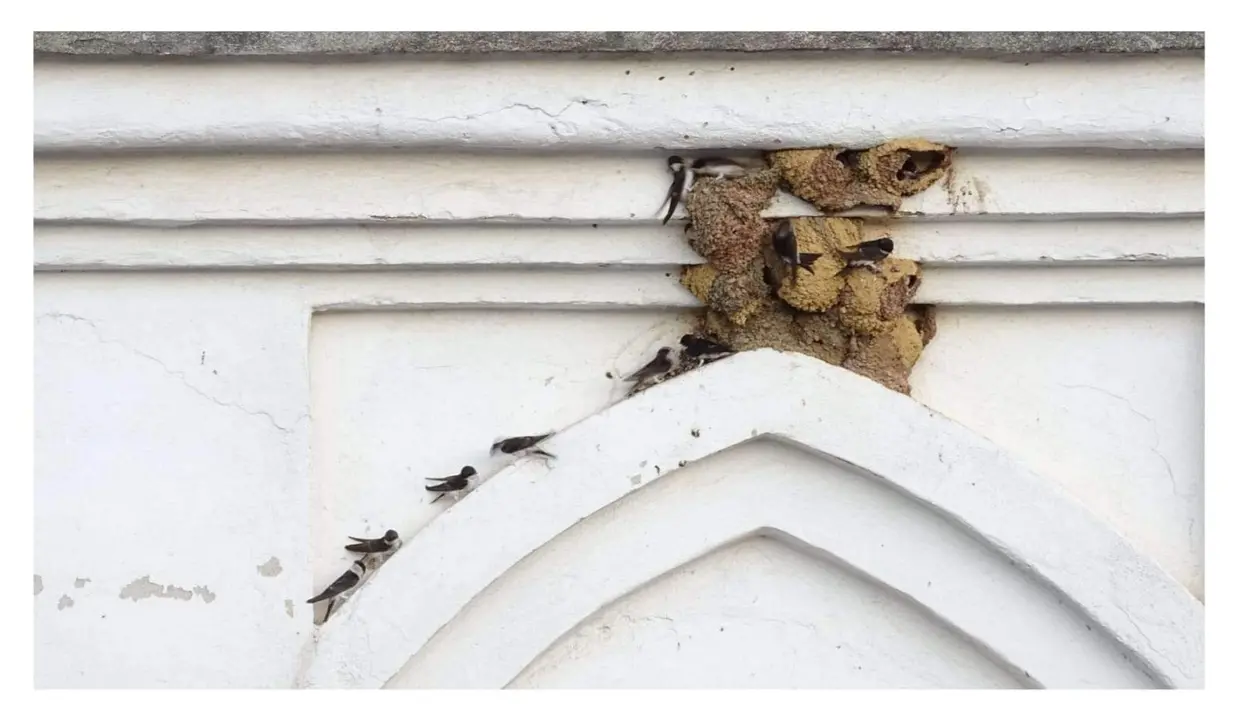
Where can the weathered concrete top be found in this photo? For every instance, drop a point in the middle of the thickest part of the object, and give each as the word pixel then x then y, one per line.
pixel 378 43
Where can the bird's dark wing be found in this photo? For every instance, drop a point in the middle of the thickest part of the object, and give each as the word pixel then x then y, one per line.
pixel 514 444
pixel 444 478
pixel 345 582
pixel 649 369
pixel 807 259
pixel 367 546
pixel 704 346
pixel 676 191
pixel 784 242
pixel 523 442
pixel 451 483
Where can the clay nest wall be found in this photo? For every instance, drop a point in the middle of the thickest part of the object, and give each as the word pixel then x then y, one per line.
pixel 837 178
pixel 860 318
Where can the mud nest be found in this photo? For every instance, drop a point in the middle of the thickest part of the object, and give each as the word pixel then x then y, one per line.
pixel 860 318
pixel 836 178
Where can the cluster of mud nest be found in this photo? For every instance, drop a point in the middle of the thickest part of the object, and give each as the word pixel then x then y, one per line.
pixel 860 318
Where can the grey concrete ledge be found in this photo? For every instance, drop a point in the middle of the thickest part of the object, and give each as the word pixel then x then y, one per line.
pixel 185 44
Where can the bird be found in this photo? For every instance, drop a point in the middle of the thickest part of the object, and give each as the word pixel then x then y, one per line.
pixel 678 186
pixel 720 167
pixel 513 445
pixel 655 367
pixel 868 252
pixel 787 248
pixel 696 346
pixel 342 584
pixel 386 543
pixel 451 483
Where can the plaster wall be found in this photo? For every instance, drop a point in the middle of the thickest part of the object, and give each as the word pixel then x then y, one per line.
pixel 271 297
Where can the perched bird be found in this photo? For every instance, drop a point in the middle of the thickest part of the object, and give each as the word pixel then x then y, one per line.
pixel 719 167
pixel 678 186
pixel 343 583
pixel 513 445
pixel 656 366
pixel 357 575
pixel 696 346
pixel 451 483
pixel 386 543
pixel 869 252
pixel 787 248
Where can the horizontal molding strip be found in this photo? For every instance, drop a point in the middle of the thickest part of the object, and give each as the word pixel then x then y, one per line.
pixel 652 101
pixel 249 247
pixel 653 288
pixel 180 189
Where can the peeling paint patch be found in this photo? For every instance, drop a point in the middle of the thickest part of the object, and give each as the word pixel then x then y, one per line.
pixel 270 568
pixel 288 608
pixel 143 588
pixel 80 582
pixel 38 584
pixel 65 602
pixel 205 593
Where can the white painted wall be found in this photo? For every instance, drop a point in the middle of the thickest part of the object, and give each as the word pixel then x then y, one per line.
pixel 336 278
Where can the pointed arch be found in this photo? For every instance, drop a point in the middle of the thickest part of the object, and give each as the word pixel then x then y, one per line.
pixel 821 409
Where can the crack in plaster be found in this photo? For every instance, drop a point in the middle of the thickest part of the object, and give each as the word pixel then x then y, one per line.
pixel 1138 628
pixel 173 373
pixel 527 106
pixel 1172 478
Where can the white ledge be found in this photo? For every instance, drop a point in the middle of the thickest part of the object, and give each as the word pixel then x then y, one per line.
pixel 351 188
pixel 657 288
pixel 958 474
pixel 382 247
pixel 630 103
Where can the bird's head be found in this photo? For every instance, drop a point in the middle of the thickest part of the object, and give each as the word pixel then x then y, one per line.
pixel 468 471
pixel 675 163
pixel 390 536
pixel 662 353
pixel 686 340
pixel 885 244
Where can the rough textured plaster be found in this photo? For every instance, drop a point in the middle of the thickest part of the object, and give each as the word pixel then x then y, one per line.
pixel 368 43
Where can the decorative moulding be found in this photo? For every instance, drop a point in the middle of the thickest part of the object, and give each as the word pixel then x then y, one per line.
pixel 632 104
pixel 959 475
